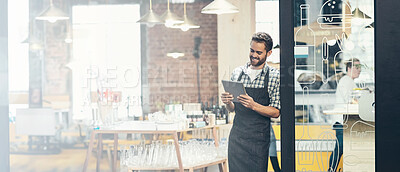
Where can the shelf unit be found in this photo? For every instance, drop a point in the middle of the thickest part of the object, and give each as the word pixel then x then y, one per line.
pixel 218 161
pixel 221 162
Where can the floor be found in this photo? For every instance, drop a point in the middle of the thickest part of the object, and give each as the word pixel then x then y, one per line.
pixel 68 160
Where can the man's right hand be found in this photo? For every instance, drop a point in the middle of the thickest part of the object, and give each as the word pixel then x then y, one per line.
pixel 226 98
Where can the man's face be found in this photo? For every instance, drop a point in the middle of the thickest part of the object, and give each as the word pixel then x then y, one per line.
pixel 258 54
pixel 355 70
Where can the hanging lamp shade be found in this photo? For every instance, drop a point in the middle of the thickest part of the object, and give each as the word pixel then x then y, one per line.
pixel 175 54
pixel 169 18
pixel 34 42
pixel 52 14
pixel 150 18
pixel 187 23
pixel 219 7
pixel 357 13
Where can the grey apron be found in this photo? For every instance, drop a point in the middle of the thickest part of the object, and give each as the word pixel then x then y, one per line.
pixel 272 144
pixel 250 135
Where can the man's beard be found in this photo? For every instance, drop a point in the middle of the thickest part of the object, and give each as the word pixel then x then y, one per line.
pixel 259 63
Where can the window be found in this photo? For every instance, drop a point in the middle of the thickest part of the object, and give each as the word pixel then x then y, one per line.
pixel 106 59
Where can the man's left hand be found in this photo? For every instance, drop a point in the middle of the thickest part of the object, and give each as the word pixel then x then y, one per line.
pixel 247 101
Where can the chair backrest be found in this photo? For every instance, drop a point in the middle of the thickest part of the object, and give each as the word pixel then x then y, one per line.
pixel 366 106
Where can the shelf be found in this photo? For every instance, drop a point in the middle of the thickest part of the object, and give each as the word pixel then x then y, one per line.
pixel 221 162
pixel 197 166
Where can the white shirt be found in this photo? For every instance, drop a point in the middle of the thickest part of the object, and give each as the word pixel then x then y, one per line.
pixel 253 73
pixel 343 95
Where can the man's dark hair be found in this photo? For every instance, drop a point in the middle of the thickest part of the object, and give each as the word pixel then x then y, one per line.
pixel 262 37
pixel 349 63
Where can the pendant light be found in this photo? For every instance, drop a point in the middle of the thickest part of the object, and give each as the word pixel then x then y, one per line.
pixel 52 14
pixel 68 37
pixel 170 18
pixel 32 40
pixel 150 19
pixel 187 23
pixel 175 54
pixel 219 7
pixel 360 17
pixel 357 13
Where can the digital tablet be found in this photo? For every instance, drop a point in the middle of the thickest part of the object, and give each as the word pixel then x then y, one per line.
pixel 234 88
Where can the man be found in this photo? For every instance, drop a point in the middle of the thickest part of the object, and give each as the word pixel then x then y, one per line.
pixel 250 134
pixel 343 97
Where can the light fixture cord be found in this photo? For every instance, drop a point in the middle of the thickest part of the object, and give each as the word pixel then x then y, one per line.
pixel 168 5
pixel 150 5
pixel 184 8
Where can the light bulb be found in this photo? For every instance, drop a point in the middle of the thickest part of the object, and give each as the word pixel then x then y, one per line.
pixel 331 42
pixel 52 20
pixel 175 55
pixel 169 23
pixel 185 28
pixel 68 40
pixel 150 24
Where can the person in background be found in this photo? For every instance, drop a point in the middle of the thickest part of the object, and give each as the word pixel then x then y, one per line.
pixel 343 96
pixel 249 139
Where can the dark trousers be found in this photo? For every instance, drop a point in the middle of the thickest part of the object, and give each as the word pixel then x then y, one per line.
pixel 275 163
pixel 338 152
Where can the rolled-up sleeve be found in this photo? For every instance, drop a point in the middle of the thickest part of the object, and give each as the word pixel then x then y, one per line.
pixel 236 72
pixel 275 96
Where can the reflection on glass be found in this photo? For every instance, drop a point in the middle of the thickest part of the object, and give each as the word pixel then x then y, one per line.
pixel 334 87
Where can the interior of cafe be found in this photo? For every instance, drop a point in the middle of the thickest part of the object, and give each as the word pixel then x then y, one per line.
pixel 135 85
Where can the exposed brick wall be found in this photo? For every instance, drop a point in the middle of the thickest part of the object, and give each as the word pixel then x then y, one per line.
pixel 56 75
pixel 175 80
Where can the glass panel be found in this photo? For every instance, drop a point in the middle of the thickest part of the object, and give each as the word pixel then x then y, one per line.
pixel 51 91
pixel 334 77
pixel 268 21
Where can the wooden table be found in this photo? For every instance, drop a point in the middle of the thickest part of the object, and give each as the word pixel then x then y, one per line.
pixel 221 162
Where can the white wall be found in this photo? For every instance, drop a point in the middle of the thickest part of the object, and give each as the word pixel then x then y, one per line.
pixel 234 36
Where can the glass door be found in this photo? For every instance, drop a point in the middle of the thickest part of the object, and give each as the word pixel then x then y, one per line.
pixel 334 85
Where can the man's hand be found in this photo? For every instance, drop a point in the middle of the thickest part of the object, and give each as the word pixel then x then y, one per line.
pixel 267 111
pixel 247 101
pixel 226 98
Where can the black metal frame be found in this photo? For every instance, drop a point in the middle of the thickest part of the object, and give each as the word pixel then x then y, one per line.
pixel 286 37
pixel 387 94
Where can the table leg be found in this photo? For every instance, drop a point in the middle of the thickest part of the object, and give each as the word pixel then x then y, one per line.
pixel 115 152
pixel 99 151
pixel 178 152
pixel 89 151
pixel 216 139
pixel 223 166
pixel 109 157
